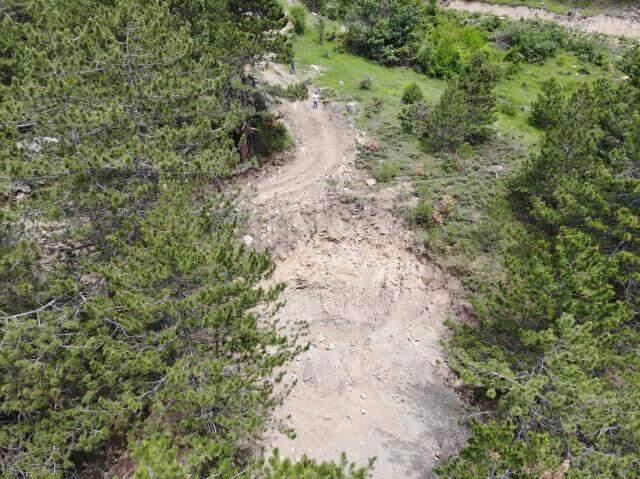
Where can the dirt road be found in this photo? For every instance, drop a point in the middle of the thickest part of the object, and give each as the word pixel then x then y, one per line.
pixel 609 25
pixel 372 383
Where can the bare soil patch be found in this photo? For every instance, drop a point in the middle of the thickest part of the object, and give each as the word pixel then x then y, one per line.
pixel 373 383
pixel 606 24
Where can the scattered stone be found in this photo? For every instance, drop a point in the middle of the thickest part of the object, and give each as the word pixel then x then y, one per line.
pixel 248 240
pixel 371 182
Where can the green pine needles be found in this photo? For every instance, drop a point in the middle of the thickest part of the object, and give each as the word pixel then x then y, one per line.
pixel 133 324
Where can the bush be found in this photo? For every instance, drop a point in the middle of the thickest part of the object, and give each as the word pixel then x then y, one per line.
pixel 507 107
pixel 385 172
pixel 447 48
pixel 534 41
pixel 545 111
pixel 588 50
pixel 630 64
pixel 298 14
pixel 332 33
pixel 384 31
pixel 315 6
pixel 270 137
pixel 373 107
pixel 412 118
pixel 412 94
pixel 367 82
pixel 423 213
pixel 294 92
pixel 320 24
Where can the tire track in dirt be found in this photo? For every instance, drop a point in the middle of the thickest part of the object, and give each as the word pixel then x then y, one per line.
pixel 372 382
pixel 606 24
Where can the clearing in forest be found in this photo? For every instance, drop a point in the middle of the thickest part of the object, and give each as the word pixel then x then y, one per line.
pixel 372 383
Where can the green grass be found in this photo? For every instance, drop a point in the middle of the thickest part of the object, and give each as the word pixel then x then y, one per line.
pixel 341 74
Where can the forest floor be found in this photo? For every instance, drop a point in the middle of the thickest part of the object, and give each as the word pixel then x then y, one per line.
pixel 614 24
pixel 373 382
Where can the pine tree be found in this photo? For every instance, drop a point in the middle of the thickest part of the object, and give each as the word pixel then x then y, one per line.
pixel 129 310
pixel 556 348
pixel 548 104
pixel 466 110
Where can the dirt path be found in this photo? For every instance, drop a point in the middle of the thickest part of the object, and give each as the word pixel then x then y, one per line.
pixel 606 24
pixel 372 382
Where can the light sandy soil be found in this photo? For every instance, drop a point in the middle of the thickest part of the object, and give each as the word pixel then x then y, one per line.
pixel 372 383
pixel 607 24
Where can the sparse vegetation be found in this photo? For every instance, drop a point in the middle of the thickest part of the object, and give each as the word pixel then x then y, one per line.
pixel 366 83
pixel 298 14
pixel 412 94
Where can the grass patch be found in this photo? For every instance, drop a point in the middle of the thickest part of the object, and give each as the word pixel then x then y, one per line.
pixel 341 75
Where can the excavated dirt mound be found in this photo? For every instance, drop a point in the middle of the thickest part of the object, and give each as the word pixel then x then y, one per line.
pixel 373 383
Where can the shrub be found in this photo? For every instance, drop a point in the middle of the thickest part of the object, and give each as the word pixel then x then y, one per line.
pixel 332 33
pixel 423 213
pixel 294 92
pixel 373 107
pixel 535 41
pixel 588 49
pixel 412 118
pixel 298 14
pixel 412 94
pixel 367 82
pixel 315 6
pixel 384 31
pixel 387 171
pixel 630 64
pixel 270 137
pixel 447 48
pixel 320 24
pixel 507 107
pixel 546 109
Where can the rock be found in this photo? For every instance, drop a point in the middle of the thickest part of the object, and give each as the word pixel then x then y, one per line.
pixel 327 417
pixel 352 107
pixel 363 396
pixel 247 240
pixel 22 188
pixel 363 411
pixel 341 83
pixel 371 182
pixel 314 68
